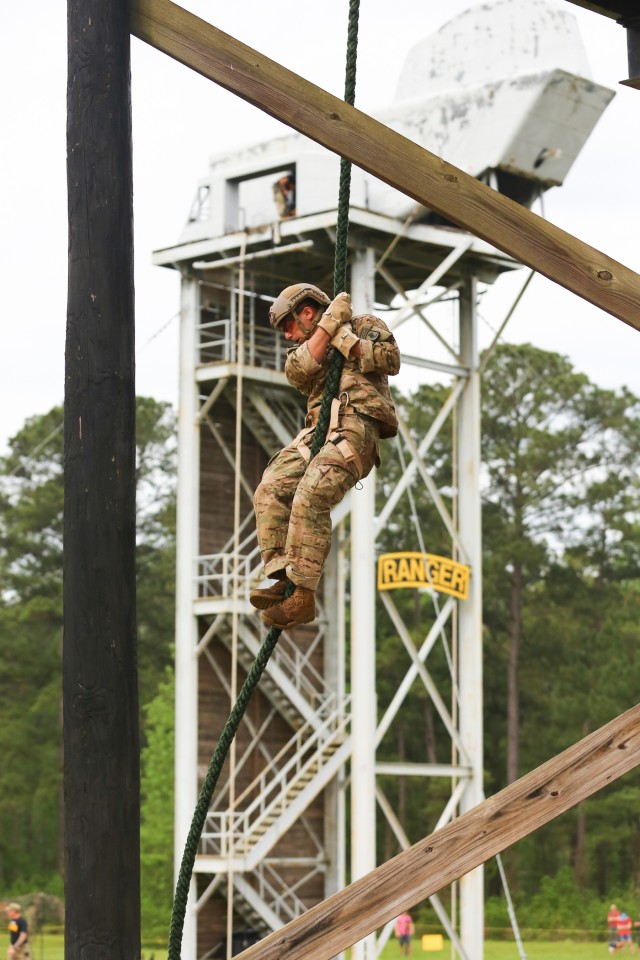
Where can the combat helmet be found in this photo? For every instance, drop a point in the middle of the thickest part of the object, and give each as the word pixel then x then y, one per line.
pixel 285 303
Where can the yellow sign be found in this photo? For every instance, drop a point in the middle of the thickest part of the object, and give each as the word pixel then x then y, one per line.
pixel 397 570
pixel 432 941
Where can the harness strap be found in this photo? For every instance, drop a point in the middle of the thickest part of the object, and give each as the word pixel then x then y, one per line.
pixel 304 451
pixel 336 403
pixel 333 433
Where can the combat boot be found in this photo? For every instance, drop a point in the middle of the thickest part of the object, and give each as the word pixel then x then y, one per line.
pixel 299 608
pixel 264 597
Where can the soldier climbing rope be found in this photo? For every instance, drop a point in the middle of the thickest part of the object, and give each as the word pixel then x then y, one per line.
pixel 264 654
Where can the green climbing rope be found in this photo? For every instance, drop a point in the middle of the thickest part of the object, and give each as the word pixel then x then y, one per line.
pixel 342 232
pixel 253 677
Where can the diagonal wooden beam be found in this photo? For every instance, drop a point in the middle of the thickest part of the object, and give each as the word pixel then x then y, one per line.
pixel 389 156
pixel 422 870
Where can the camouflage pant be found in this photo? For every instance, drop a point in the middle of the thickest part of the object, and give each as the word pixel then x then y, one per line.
pixel 293 501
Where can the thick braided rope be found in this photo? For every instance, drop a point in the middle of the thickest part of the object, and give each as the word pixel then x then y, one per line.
pixel 342 232
pixel 320 433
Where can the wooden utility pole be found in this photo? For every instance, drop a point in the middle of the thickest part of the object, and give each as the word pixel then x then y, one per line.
pixel 100 688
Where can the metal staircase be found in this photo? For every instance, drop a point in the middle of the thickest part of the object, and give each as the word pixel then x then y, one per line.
pixel 265 848
pixel 272 803
pixel 272 415
pixel 319 747
pixel 266 902
pixel 290 681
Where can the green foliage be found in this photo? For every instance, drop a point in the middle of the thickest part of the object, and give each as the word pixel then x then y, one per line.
pixel 156 828
pixel 559 909
pixel 31 514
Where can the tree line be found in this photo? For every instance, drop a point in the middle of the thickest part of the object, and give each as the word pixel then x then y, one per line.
pixel 31 530
pixel 561 572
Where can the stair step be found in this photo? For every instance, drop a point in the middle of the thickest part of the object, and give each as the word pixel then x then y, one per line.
pixel 271 689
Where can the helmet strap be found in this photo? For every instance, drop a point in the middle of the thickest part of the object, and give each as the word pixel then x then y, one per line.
pixel 314 322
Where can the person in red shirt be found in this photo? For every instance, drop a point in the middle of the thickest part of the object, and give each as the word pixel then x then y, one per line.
pixel 612 920
pixel 624 931
pixel 404 930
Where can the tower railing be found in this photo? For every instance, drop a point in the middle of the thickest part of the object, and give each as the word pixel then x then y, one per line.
pixel 218 343
pixel 217 574
pixel 268 900
pixel 296 665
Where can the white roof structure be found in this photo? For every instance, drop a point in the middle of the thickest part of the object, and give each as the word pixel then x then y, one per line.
pixel 501 91
pixel 509 90
pixel 494 41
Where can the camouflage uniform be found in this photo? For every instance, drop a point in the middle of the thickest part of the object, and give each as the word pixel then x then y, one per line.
pixel 293 501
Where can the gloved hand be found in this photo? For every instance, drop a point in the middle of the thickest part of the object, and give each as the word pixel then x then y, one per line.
pixel 344 340
pixel 337 313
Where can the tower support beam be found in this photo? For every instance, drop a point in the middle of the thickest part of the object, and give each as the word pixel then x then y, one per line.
pixel 186 659
pixel 363 643
pixel 470 611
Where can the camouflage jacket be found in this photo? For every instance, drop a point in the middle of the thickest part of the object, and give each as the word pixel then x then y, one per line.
pixel 365 378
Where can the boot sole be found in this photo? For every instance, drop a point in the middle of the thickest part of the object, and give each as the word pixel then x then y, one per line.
pixel 263 603
pixel 286 626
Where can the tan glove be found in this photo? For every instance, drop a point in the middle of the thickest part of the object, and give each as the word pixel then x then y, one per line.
pixel 344 340
pixel 337 313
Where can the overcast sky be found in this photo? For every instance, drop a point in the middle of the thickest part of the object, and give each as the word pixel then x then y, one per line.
pixel 180 119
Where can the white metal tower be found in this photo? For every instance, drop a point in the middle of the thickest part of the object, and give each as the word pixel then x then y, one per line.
pixel 275 839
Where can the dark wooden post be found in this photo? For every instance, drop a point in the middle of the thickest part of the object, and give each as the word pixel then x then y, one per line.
pixel 100 687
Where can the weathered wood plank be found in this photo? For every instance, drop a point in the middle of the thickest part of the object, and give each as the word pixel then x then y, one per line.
pixel 393 158
pixel 462 845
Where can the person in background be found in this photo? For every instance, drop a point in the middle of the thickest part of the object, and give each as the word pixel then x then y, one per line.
pixel 18 934
pixel 404 930
pixel 284 194
pixel 624 931
pixel 612 921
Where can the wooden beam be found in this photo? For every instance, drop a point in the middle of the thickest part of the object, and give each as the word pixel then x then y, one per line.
pixel 389 156
pixel 100 679
pixel 422 870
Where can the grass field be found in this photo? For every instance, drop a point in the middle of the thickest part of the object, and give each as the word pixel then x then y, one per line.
pixel 51 947
pixel 507 950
